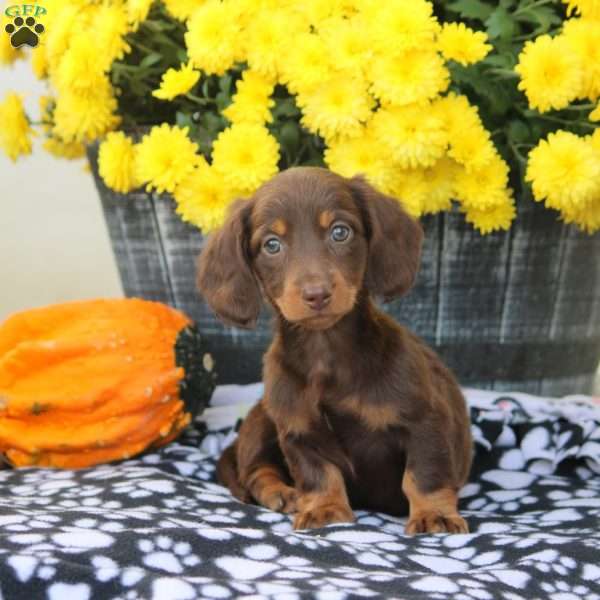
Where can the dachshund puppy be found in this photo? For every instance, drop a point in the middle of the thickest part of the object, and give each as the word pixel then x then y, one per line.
pixel 357 411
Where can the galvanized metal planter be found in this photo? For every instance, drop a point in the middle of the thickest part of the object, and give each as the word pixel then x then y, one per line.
pixel 507 311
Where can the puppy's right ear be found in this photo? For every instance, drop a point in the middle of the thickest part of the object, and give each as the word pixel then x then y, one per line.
pixel 225 278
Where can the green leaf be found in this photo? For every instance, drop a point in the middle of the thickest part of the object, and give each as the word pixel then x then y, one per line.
pixel 223 100
pixel 183 120
pixel 289 136
pixel 543 17
pixel 150 59
pixel 518 131
pixel 500 24
pixel 225 83
pixel 471 9
pixel 285 107
pixel 182 55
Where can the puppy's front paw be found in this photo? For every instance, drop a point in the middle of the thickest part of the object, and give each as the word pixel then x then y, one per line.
pixel 280 498
pixel 434 522
pixel 325 514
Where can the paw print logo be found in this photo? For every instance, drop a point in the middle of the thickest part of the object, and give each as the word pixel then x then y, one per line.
pixel 165 554
pixel 24 32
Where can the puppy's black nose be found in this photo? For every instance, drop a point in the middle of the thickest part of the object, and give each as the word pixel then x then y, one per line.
pixel 316 296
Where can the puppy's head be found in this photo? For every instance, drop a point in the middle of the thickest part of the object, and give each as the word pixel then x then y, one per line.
pixel 310 240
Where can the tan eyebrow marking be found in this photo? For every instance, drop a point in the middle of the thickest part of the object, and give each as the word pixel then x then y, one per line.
pixel 326 219
pixel 279 226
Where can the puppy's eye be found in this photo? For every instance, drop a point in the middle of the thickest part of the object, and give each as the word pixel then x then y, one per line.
pixel 272 245
pixel 340 233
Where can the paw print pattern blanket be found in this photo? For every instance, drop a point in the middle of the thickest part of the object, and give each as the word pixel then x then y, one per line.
pixel 160 527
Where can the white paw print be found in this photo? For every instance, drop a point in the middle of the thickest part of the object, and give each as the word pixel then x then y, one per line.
pixel 168 555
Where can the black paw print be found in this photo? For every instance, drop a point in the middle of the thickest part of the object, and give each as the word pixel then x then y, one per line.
pixel 24 32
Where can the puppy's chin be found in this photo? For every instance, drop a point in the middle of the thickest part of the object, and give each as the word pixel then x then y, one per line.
pixel 318 322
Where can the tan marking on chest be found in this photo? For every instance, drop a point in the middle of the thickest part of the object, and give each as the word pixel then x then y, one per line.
pixel 374 417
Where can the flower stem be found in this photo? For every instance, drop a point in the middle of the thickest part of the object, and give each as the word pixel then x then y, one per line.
pixel 528 7
pixel 198 100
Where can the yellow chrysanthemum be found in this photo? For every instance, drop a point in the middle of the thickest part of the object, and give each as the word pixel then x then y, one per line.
pixel 564 170
pixel 484 187
pixel 15 131
pixel 176 82
pixel 413 76
pixel 183 9
pixel 164 157
pixel 456 113
pixel 212 38
pixel 252 102
pixel 400 25
pixel 109 27
pixel 460 43
pixel 306 63
pixel 472 147
pixel 85 118
pixel 361 156
pixel 65 23
pixel 347 44
pixel 60 149
pixel 245 155
pixel 203 198
pixel 267 36
pixel 8 54
pixel 414 134
pixel 583 36
pixel 499 217
pixel 117 162
pixel 551 73
pixel 410 189
pixel 586 217
pixel 589 9
pixel 338 107
pixel 137 11
pixel 80 71
pixel 320 11
pixel 438 184
pixel 39 62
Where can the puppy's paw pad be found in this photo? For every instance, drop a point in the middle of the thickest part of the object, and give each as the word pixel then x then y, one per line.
pixel 282 499
pixel 434 522
pixel 320 516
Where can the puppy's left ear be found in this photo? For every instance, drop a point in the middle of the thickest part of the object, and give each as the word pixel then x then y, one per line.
pixel 395 241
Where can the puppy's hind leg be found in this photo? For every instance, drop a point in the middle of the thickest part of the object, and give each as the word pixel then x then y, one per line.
pixel 227 474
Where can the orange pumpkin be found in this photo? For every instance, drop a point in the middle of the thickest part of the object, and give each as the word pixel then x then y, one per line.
pixel 96 381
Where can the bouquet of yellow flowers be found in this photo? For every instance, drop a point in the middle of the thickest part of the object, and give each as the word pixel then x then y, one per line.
pixel 436 103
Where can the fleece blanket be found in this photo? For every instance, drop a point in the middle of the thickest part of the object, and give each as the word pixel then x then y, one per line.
pixel 160 527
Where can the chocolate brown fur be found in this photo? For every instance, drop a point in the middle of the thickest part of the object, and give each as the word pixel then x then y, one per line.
pixel 358 412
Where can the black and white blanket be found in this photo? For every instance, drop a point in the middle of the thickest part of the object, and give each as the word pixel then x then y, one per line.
pixel 160 527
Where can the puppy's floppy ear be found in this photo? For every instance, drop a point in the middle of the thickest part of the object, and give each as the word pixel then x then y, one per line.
pixel 395 241
pixel 224 276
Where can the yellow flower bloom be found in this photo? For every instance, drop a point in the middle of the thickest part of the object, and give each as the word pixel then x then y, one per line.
pixel 496 218
pixel 338 107
pixel 472 147
pixel 462 44
pixel 39 62
pixel 176 82
pixel 66 22
pixel 85 118
pixel 590 9
pixel 414 76
pixel 246 156
pixel 252 102
pixel 80 71
pixel 410 189
pixel 110 25
pixel 564 170
pixel 586 217
pixel 212 38
pixel 583 37
pixel 203 198
pixel 414 134
pixel 361 156
pixel 164 157
pixel 117 162
pixel 400 25
pixel 482 188
pixel 15 131
pixel 267 35
pixel 183 9
pixel 551 73
pixel 456 113
pixel 306 63
pixel 347 44
pixel 137 11
pixel 60 149
pixel 438 183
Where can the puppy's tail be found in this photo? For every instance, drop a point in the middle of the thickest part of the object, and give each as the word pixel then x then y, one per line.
pixel 227 474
